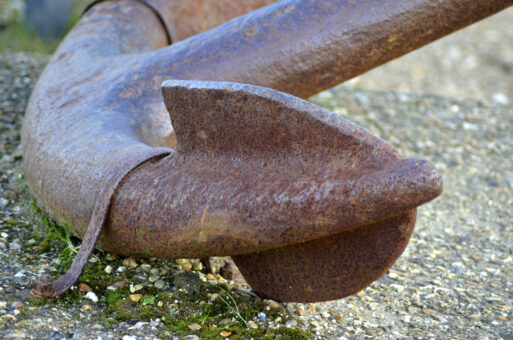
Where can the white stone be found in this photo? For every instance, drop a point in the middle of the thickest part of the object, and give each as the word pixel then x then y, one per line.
pixel 92 296
pixel 291 323
pixel 500 98
pixel 14 246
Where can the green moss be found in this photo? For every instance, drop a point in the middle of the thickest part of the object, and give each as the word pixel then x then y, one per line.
pixel 11 222
pixel 218 301
pixel 94 275
pixel 67 299
pixel 294 333
pixel 279 333
pixel 112 297
pixel 177 317
pixel 39 301
pixel 122 308
pixel 17 37
pixel 128 310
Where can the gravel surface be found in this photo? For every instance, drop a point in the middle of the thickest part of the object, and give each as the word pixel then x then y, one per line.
pixel 474 63
pixel 451 103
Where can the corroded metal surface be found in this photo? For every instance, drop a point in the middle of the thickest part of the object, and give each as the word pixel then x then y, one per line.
pixel 310 206
pixel 185 18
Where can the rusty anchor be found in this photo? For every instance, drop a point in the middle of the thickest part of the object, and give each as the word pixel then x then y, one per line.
pixel 310 206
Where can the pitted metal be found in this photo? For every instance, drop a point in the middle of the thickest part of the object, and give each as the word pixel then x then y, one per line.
pixel 310 206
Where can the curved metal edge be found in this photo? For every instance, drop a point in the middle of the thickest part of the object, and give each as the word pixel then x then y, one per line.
pixel 145 3
pixel 44 287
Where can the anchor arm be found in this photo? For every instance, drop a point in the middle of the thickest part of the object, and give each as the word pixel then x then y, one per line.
pixel 304 47
pixel 185 18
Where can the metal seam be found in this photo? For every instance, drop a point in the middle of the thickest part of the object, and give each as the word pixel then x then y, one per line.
pixel 145 3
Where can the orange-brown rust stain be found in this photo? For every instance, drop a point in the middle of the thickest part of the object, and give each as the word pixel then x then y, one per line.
pixel 250 31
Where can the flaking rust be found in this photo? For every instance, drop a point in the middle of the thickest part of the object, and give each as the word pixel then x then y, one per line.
pixel 310 206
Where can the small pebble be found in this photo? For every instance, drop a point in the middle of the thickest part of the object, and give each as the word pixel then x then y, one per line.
pixel 252 324
pixel 15 246
pixel 92 296
pixel 116 285
pixel 135 297
pixel 314 324
pixel 130 262
pixel 141 325
pixel 291 323
pixel 428 311
pixel 85 308
pixel 145 266
pixel 261 316
pixel 159 284
pixel 228 271
pixel 55 335
pixel 108 269
pixel 9 317
pixel 17 305
pixel 136 288
pixel 300 312
pixel 225 334
pixel 84 288
pixel 500 98
pixel 225 322
pixel 194 327
pixel 273 304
